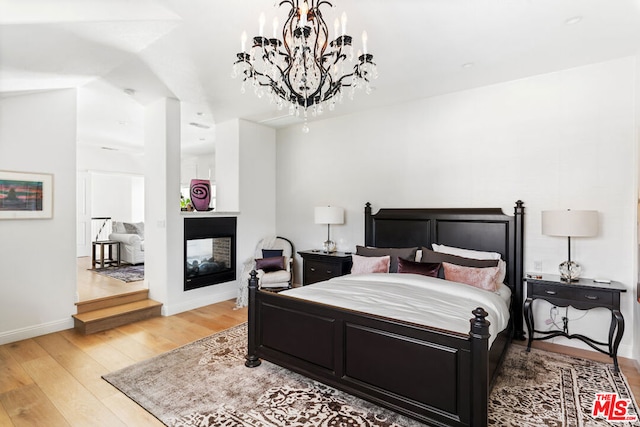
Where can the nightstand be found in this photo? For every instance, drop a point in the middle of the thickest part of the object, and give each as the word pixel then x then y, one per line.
pixel 318 266
pixel 583 295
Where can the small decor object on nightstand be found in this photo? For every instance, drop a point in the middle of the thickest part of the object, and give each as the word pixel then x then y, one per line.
pixel 329 215
pixel 200 192
pixel 570 224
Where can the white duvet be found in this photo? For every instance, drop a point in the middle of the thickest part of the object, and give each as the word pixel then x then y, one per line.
pixel 414 298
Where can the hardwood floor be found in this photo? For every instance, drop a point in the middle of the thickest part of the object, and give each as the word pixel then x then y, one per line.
pixel 93 286
pixel 55 379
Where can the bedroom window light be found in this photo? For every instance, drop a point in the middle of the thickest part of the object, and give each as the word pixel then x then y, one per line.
pixel 570 224
pixel 329 215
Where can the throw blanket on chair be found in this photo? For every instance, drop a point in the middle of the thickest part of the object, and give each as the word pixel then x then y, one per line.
pixel 243 294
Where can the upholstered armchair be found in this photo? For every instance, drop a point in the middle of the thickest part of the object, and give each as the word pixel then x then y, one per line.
pixel 273 261
pixel 131 238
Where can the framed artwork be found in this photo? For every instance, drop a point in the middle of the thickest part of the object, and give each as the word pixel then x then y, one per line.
pixel 26 195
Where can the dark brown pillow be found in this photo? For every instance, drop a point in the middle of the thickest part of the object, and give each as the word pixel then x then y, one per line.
pixel 424 268
pixel 430 256
pixel 395 253
pixel 270 264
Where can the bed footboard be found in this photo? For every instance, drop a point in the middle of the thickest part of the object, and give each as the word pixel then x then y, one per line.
pixel 438 377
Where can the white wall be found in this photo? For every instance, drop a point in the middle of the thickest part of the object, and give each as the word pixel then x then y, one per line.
pixel 556 141
pixel 112 196
pixel 249 155
pixel 37 257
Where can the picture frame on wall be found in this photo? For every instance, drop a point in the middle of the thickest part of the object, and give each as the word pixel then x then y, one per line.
pixel 26 195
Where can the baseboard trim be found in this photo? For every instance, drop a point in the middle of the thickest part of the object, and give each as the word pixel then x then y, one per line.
pixel 192 304
pixel 35 330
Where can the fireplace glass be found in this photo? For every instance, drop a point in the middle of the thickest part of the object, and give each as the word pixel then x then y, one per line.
pixel 208 256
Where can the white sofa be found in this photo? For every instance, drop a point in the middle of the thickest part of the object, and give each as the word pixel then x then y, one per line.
pixel 131 238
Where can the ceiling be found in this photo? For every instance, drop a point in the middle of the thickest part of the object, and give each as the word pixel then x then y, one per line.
pixel 185 49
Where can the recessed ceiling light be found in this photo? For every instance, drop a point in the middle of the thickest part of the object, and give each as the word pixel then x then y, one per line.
pixel 122 122
pixel 199 125
pixel 467 65
pixel 202 139
pixel 130 91
pixel 200 113
pixel 573 20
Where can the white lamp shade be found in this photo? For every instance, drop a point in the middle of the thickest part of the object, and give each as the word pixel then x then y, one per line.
pixel 329 215
pixel 570 223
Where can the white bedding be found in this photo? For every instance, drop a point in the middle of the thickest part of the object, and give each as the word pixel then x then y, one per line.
pixel 411 297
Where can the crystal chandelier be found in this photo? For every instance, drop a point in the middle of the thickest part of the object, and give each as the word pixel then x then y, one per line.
pixel 305 71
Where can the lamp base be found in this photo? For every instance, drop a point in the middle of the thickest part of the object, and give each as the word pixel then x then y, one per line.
pixel 570 271
pixel 329 246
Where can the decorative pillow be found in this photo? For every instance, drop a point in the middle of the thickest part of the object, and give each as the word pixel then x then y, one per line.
pixel 270 264
pixel 430 256
pixel 480 255
pixel 130 228
pixel 483 278
pixel 270 253
pixel 139 226
pixel 467 253
pixel 370 264
pixel 424 268
pixel 118 227
pixel 394 253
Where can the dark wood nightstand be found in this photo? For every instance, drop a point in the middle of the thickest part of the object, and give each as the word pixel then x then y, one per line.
pixel 583 295
pixel 319 265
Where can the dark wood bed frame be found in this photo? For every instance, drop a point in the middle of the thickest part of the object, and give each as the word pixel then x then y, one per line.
pixel 438 377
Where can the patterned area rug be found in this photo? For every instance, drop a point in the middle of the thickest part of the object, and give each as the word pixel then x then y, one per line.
pixel 129 273
pixel 205 383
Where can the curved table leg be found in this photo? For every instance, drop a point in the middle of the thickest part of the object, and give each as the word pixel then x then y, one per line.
pixel 528 318
pixel 619 320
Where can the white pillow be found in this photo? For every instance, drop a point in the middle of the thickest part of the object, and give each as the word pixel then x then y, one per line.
pixel 468 253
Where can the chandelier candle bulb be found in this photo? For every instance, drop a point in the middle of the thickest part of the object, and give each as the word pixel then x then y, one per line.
pixel 344 23
pixel 243 41
pixel 275 27
pixel 261 22
pixel 364 42
pixel 336 28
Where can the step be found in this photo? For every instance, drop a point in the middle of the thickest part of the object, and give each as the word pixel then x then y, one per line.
pixel 112 317
pixel 111 301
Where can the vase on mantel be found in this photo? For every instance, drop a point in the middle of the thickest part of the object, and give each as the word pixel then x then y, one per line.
pixel 200 191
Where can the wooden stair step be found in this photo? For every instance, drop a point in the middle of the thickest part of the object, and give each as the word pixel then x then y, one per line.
pixel 112 301
pixel 111 317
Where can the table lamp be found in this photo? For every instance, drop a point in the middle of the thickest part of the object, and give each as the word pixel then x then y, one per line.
pixel 329 215
pixel 570 224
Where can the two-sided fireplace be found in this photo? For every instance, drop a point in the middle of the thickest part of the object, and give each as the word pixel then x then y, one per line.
pixel 209 251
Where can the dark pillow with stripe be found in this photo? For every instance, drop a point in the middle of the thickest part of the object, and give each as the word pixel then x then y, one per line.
pixel 271 253
pixel 395 253
pixel 424 268
pixel 430 257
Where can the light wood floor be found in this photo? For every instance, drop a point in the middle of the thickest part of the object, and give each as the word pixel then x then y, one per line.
pixel 55 379
pixel 93 286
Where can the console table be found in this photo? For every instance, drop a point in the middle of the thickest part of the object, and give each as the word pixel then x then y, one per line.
pixel 109 260
pixel 582 295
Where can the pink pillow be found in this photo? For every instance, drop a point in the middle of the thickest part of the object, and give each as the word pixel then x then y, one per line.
pixel 370 264
pixel 483 278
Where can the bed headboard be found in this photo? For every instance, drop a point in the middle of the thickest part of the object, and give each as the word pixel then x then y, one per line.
pixel 479 229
